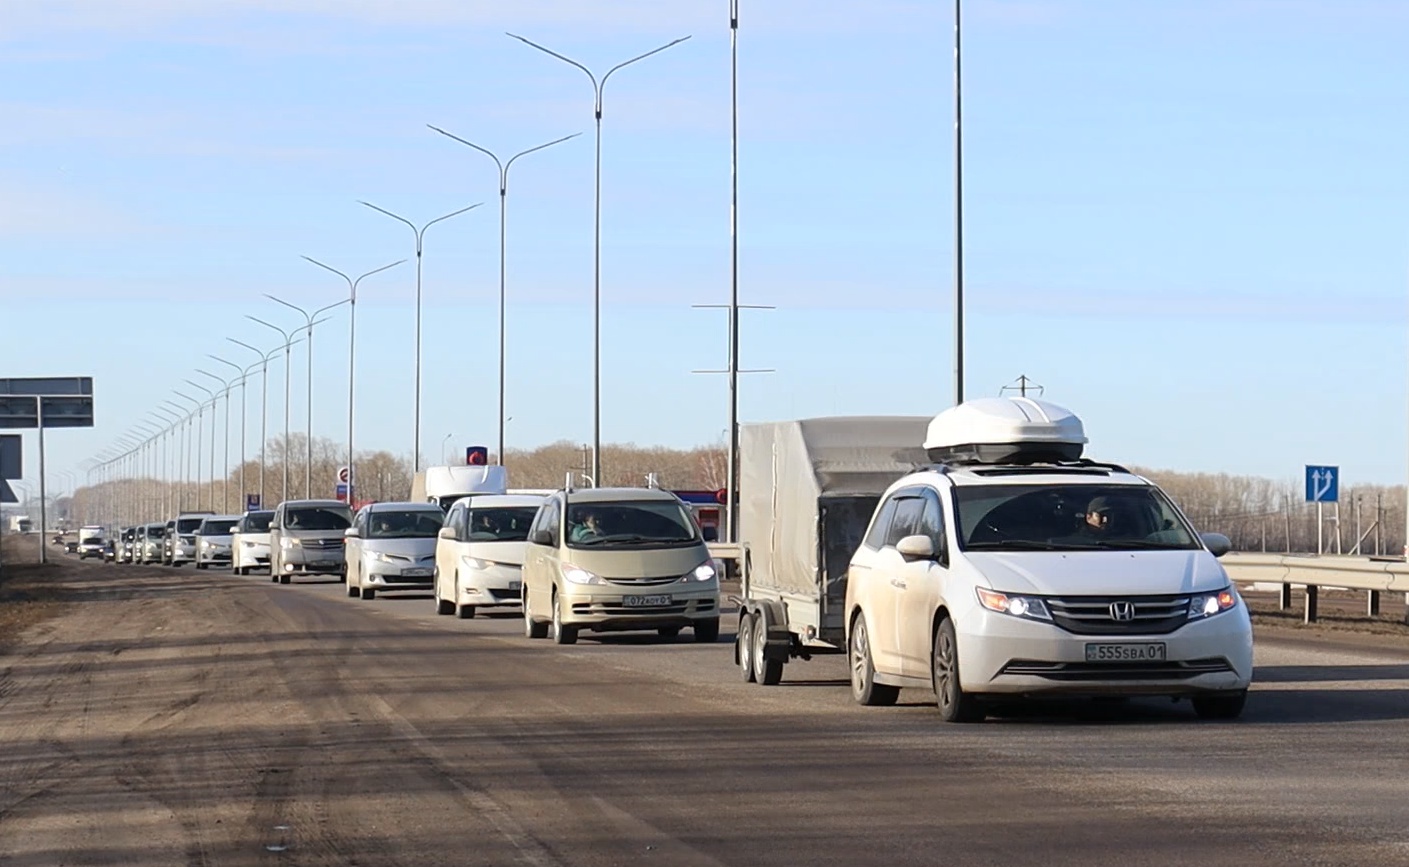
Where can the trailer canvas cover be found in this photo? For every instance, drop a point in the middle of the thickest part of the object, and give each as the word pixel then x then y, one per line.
pixel 794 474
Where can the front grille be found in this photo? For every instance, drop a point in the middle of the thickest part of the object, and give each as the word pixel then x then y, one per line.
pixel 502 595
pixel 1093 671
pixel 323 544
pixel 1093 615
pixel 406 579
pixel 616 609
pixel 643 582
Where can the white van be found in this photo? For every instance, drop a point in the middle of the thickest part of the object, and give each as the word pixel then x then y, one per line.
pixel 479 553
pixel 1013 567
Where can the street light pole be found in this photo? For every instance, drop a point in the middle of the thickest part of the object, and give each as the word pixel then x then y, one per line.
pixel 352 356
pixel 200 419
pixel 958 217
pixel 504 167
pixel 288 368
pixel 212 438
pixel 442 447
pixel 308 326
pixel 264 404
pixel 420 237
pixel 225 481
pixel 597 87
pixel 182 473
pixel 244 389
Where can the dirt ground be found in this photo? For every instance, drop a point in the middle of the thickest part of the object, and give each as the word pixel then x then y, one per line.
pixel 26 597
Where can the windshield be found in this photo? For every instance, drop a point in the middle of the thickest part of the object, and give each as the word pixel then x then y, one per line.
pixel 1068 517
pixel 408 524
pixel 188 525
pixel 256 522
pixel 317 518
pixel 218 528
pixel 504 524
pixel 156 532
pixel 622 525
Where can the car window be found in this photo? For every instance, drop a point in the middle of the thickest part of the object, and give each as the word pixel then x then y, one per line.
pixel 630 524
pixel 1069 516
pixel 932 520
pixel 317 518
pixel 403 524
pixel 909 511
pixel 875 539
pixel 500 523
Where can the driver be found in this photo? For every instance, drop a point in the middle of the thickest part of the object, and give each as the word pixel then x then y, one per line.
pixel 588 529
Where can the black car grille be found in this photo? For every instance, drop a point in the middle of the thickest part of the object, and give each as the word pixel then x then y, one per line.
pixel 643 582
pixel 1090 671
pixel 322 544
pixel 1119 615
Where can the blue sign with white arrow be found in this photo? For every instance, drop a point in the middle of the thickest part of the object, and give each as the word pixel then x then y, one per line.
pixel 1322 484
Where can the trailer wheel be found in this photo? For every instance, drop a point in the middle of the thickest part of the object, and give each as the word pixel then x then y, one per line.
pixel 743 647
pixel 768 672
pixel 863 671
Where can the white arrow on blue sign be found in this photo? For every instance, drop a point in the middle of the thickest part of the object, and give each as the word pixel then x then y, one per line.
pixel 1322 484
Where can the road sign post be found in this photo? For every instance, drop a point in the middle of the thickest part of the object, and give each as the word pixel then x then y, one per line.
pixel 60 401
pixel 1322 486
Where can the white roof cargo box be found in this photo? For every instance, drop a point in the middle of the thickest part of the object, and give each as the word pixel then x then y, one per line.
pixel 1005 430
pixel 464 480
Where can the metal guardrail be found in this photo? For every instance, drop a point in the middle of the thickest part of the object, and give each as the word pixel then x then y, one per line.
pixel 1375 576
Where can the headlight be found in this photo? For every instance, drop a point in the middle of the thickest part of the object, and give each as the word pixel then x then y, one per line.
pixel 1029 607
pixel 475 563
pixel 286 542
pixel 581 576
pixel 1210 604
pixel 380 557
pixel 702 572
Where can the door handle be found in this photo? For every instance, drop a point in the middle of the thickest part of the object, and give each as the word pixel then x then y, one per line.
pixel 896 582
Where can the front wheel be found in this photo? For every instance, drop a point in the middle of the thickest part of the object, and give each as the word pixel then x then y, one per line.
pixel 955 705
pixel 864 688
pixel 1221 705
pixel 531 627
pixel 706 631
pixel 561 632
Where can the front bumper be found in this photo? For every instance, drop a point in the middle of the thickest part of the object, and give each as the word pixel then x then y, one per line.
pixel 387 576
pixel 606 609
pixel 1010 655
pixel 496 585
pixel 312 561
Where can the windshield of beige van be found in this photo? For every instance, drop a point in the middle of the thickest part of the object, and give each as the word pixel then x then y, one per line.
pixel 650 523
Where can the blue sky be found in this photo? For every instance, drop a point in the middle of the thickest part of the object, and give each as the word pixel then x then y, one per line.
pixel 1187 220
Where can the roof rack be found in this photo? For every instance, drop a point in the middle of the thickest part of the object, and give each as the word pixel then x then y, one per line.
pixel 988 468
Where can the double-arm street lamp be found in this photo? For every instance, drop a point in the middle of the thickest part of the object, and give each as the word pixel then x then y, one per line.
pixel 263 365
pixel 420 237
pixel 310 320
pixel 351 355
pixel 196 461
pixel 597 87
pixel 504 166
pixel 210 392
pixel 225 475
pixel 241 375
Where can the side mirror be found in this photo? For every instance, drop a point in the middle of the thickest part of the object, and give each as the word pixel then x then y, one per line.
pixel 352 533
pixel 446 533
pixel 1217 543
pixel 540 537
pixel 916 548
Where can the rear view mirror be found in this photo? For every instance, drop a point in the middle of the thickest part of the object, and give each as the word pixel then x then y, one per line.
pixel 1217 543
pixel 540 537
pixel 916 548
pixel 446 533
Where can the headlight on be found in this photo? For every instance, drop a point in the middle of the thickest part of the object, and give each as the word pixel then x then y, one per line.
pixel 1210 604
pixel 1028 607
pixel 581 576
pixel 702 572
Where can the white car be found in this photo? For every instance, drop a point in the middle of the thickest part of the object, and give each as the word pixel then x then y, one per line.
pixel 249 545
pixel 391 546
pixel 1014 568
pixel 213 540
pixel 479 555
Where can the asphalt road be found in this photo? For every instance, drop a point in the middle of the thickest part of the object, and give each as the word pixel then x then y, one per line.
pixel 176 717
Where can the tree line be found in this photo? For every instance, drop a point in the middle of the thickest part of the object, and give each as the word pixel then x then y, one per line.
pixel 1257 514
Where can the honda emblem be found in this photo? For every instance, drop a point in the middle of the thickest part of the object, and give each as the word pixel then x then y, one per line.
pixel 1123 612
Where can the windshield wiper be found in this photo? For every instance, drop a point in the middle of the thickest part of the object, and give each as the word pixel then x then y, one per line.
pixel 1030 545
pixel 1143 543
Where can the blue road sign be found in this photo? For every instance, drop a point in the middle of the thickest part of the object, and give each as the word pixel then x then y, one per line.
pixel 1322 484
pixel 251 502
pixel 341 492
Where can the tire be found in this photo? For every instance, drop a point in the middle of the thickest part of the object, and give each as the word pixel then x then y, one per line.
pixel 561 634
pixel 768 672
pixel 369 593
pixel 864 689
pixel 285 579
pixel 706 631
pixel 352 592
pixel 444 606
pixel 668 631
pixel 1221 705
pixel 465 612
pixel 531 627
pixel 743 647
pixel 201 565
pixel 955 705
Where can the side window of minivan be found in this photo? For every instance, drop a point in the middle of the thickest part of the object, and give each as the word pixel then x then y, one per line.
pixel 875 539
pixel 909 515
pixel 549 516
pixel 454 519
pixel 932 520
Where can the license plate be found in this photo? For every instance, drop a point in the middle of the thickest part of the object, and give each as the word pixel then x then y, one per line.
pixel 327 564
pixel 416 573
pixel 644 601
pixel 1144 651
pixel 515 585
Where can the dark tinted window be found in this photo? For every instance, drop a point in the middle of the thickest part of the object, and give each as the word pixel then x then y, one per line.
pixel 629 524
pixel 909 512
pixel 256 522
pixel 317 518
pixel 217 528
pixel 877 537
pixel 501 523
pixel 408 524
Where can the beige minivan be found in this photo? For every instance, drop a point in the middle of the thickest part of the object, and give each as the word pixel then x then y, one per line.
pixel 614 559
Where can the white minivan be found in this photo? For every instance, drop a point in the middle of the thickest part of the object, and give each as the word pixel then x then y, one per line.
pixel 479 553
pixel 1013 567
